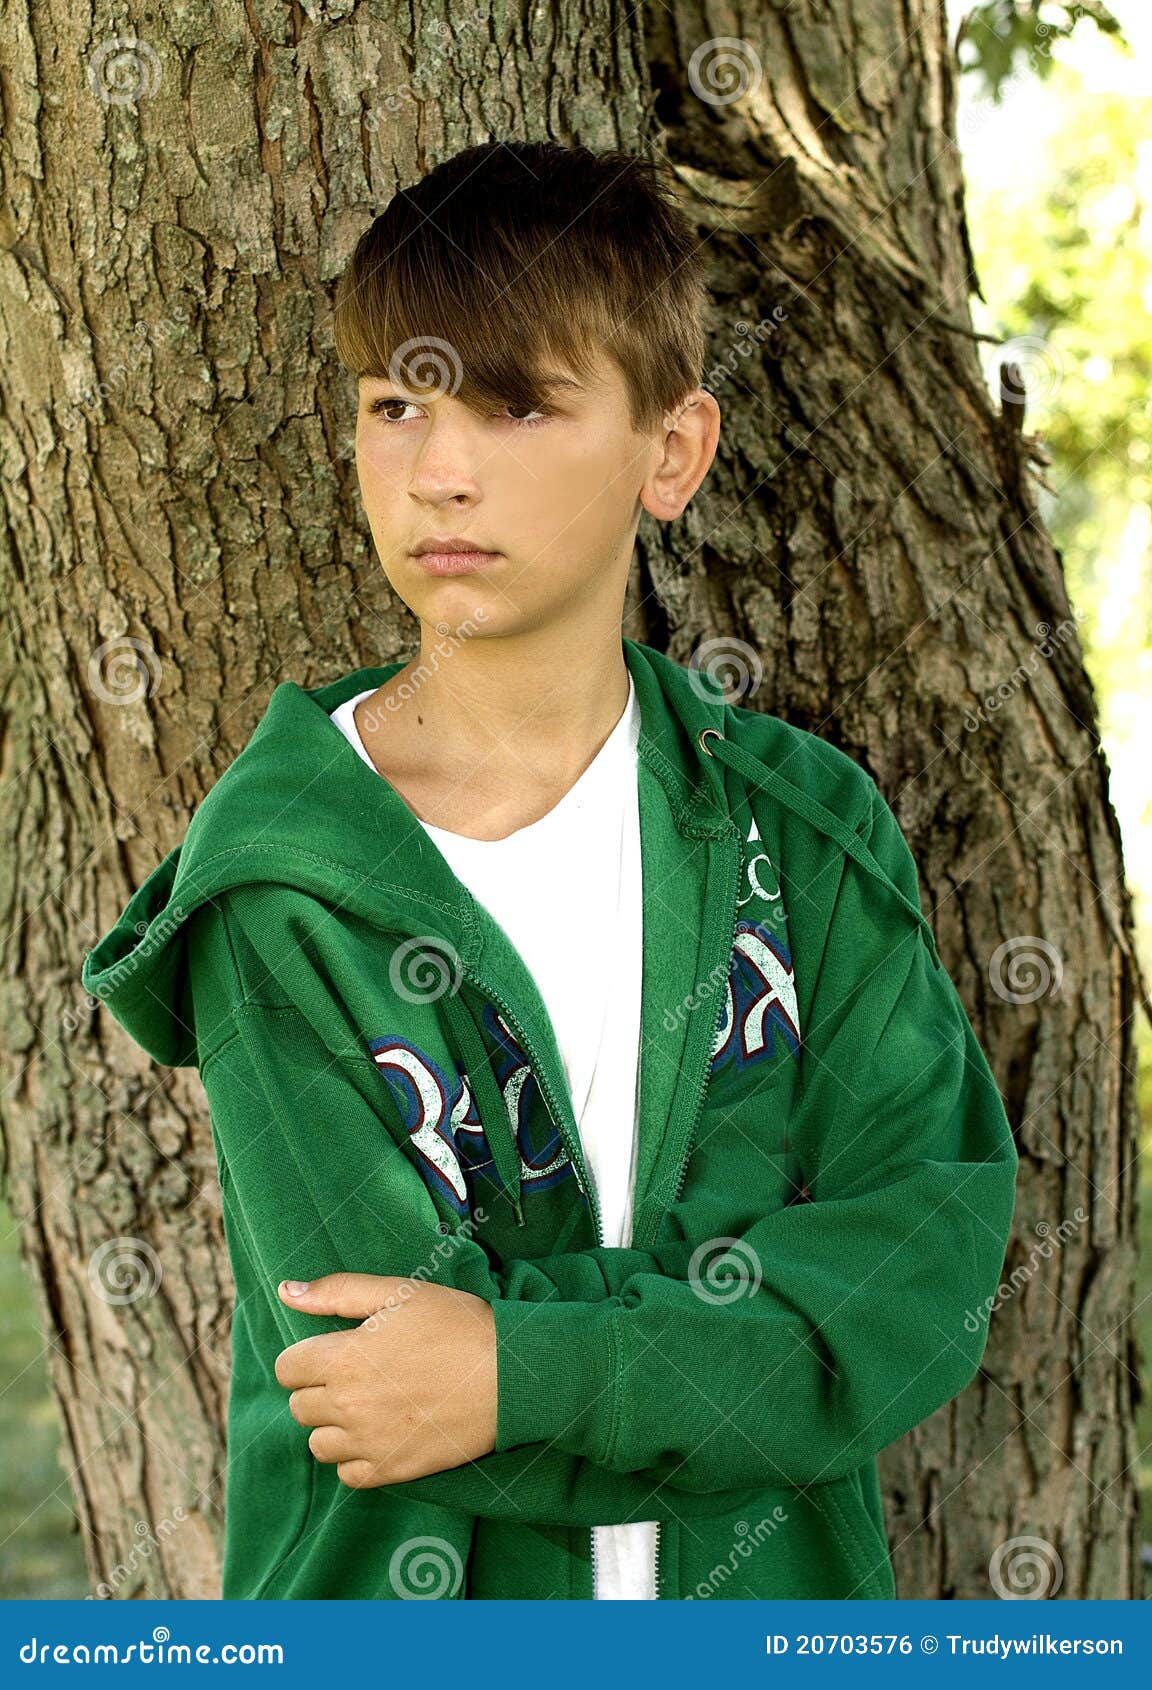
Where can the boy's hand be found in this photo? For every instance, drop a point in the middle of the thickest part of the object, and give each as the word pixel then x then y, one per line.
pixel 412 1391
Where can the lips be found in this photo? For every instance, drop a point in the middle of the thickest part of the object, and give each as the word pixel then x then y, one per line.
pixel 445 555
pixel 446 543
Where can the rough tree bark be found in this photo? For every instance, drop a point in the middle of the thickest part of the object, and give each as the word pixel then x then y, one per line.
pixel 182 532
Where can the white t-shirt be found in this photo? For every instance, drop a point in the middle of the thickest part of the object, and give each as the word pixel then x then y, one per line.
pixel 585 951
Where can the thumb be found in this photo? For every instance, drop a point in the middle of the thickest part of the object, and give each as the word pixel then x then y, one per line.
pixel 354 1295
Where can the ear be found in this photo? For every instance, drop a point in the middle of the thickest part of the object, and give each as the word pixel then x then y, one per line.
pixel 686 447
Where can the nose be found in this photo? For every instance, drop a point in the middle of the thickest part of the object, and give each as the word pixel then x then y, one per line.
pixel 448 459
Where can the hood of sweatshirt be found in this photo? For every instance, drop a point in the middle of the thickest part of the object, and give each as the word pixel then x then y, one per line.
pixel 299 807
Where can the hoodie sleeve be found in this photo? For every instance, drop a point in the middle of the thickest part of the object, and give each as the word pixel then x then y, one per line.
pixel 859 1316
pixel 308 1185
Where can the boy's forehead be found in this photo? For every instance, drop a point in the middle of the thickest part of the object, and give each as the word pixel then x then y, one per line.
pixel 558 381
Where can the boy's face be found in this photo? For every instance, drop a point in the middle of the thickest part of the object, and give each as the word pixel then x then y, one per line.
pixel 555 494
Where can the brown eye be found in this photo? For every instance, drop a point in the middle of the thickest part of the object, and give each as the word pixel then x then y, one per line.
pixel 532 420
pixel 378 407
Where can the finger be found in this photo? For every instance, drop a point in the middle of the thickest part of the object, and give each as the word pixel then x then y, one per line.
pixel 358 1475
pixel 355 1295
pixel 331 1443
pixel 309 1361
pixel 312 1406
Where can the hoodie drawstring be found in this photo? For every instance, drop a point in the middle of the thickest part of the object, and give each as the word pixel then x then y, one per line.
pixel 765 778
pixel 489 1099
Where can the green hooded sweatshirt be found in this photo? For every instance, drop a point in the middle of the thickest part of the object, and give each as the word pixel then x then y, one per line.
pixel 825 1173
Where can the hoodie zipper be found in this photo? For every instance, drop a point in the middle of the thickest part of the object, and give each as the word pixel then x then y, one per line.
pixel 674 1194
pixel 575 1151
pixel 652 1210
pixel 672 1197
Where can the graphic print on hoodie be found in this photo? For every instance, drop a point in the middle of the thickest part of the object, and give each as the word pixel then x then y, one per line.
pixel 758 1021
pixel 445 1126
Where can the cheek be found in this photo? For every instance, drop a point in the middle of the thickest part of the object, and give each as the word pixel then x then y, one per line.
pixel 590 489
pixel 376 467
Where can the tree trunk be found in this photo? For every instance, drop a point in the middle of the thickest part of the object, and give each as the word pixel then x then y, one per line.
pixel 182 533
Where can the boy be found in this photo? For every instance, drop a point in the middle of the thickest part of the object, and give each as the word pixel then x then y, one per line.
pixel 574 1039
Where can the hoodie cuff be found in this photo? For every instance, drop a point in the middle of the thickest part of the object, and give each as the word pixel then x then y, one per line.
pixel 556 1376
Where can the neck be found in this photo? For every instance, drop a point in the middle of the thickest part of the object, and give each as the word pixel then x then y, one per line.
pixel 553 694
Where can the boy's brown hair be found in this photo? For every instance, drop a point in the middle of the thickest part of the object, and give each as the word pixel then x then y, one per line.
pixel 510 256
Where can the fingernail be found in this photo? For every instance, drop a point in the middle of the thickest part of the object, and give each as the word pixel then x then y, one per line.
pixel 295 1287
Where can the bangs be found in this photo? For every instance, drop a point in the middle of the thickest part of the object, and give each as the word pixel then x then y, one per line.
pixel 507 265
